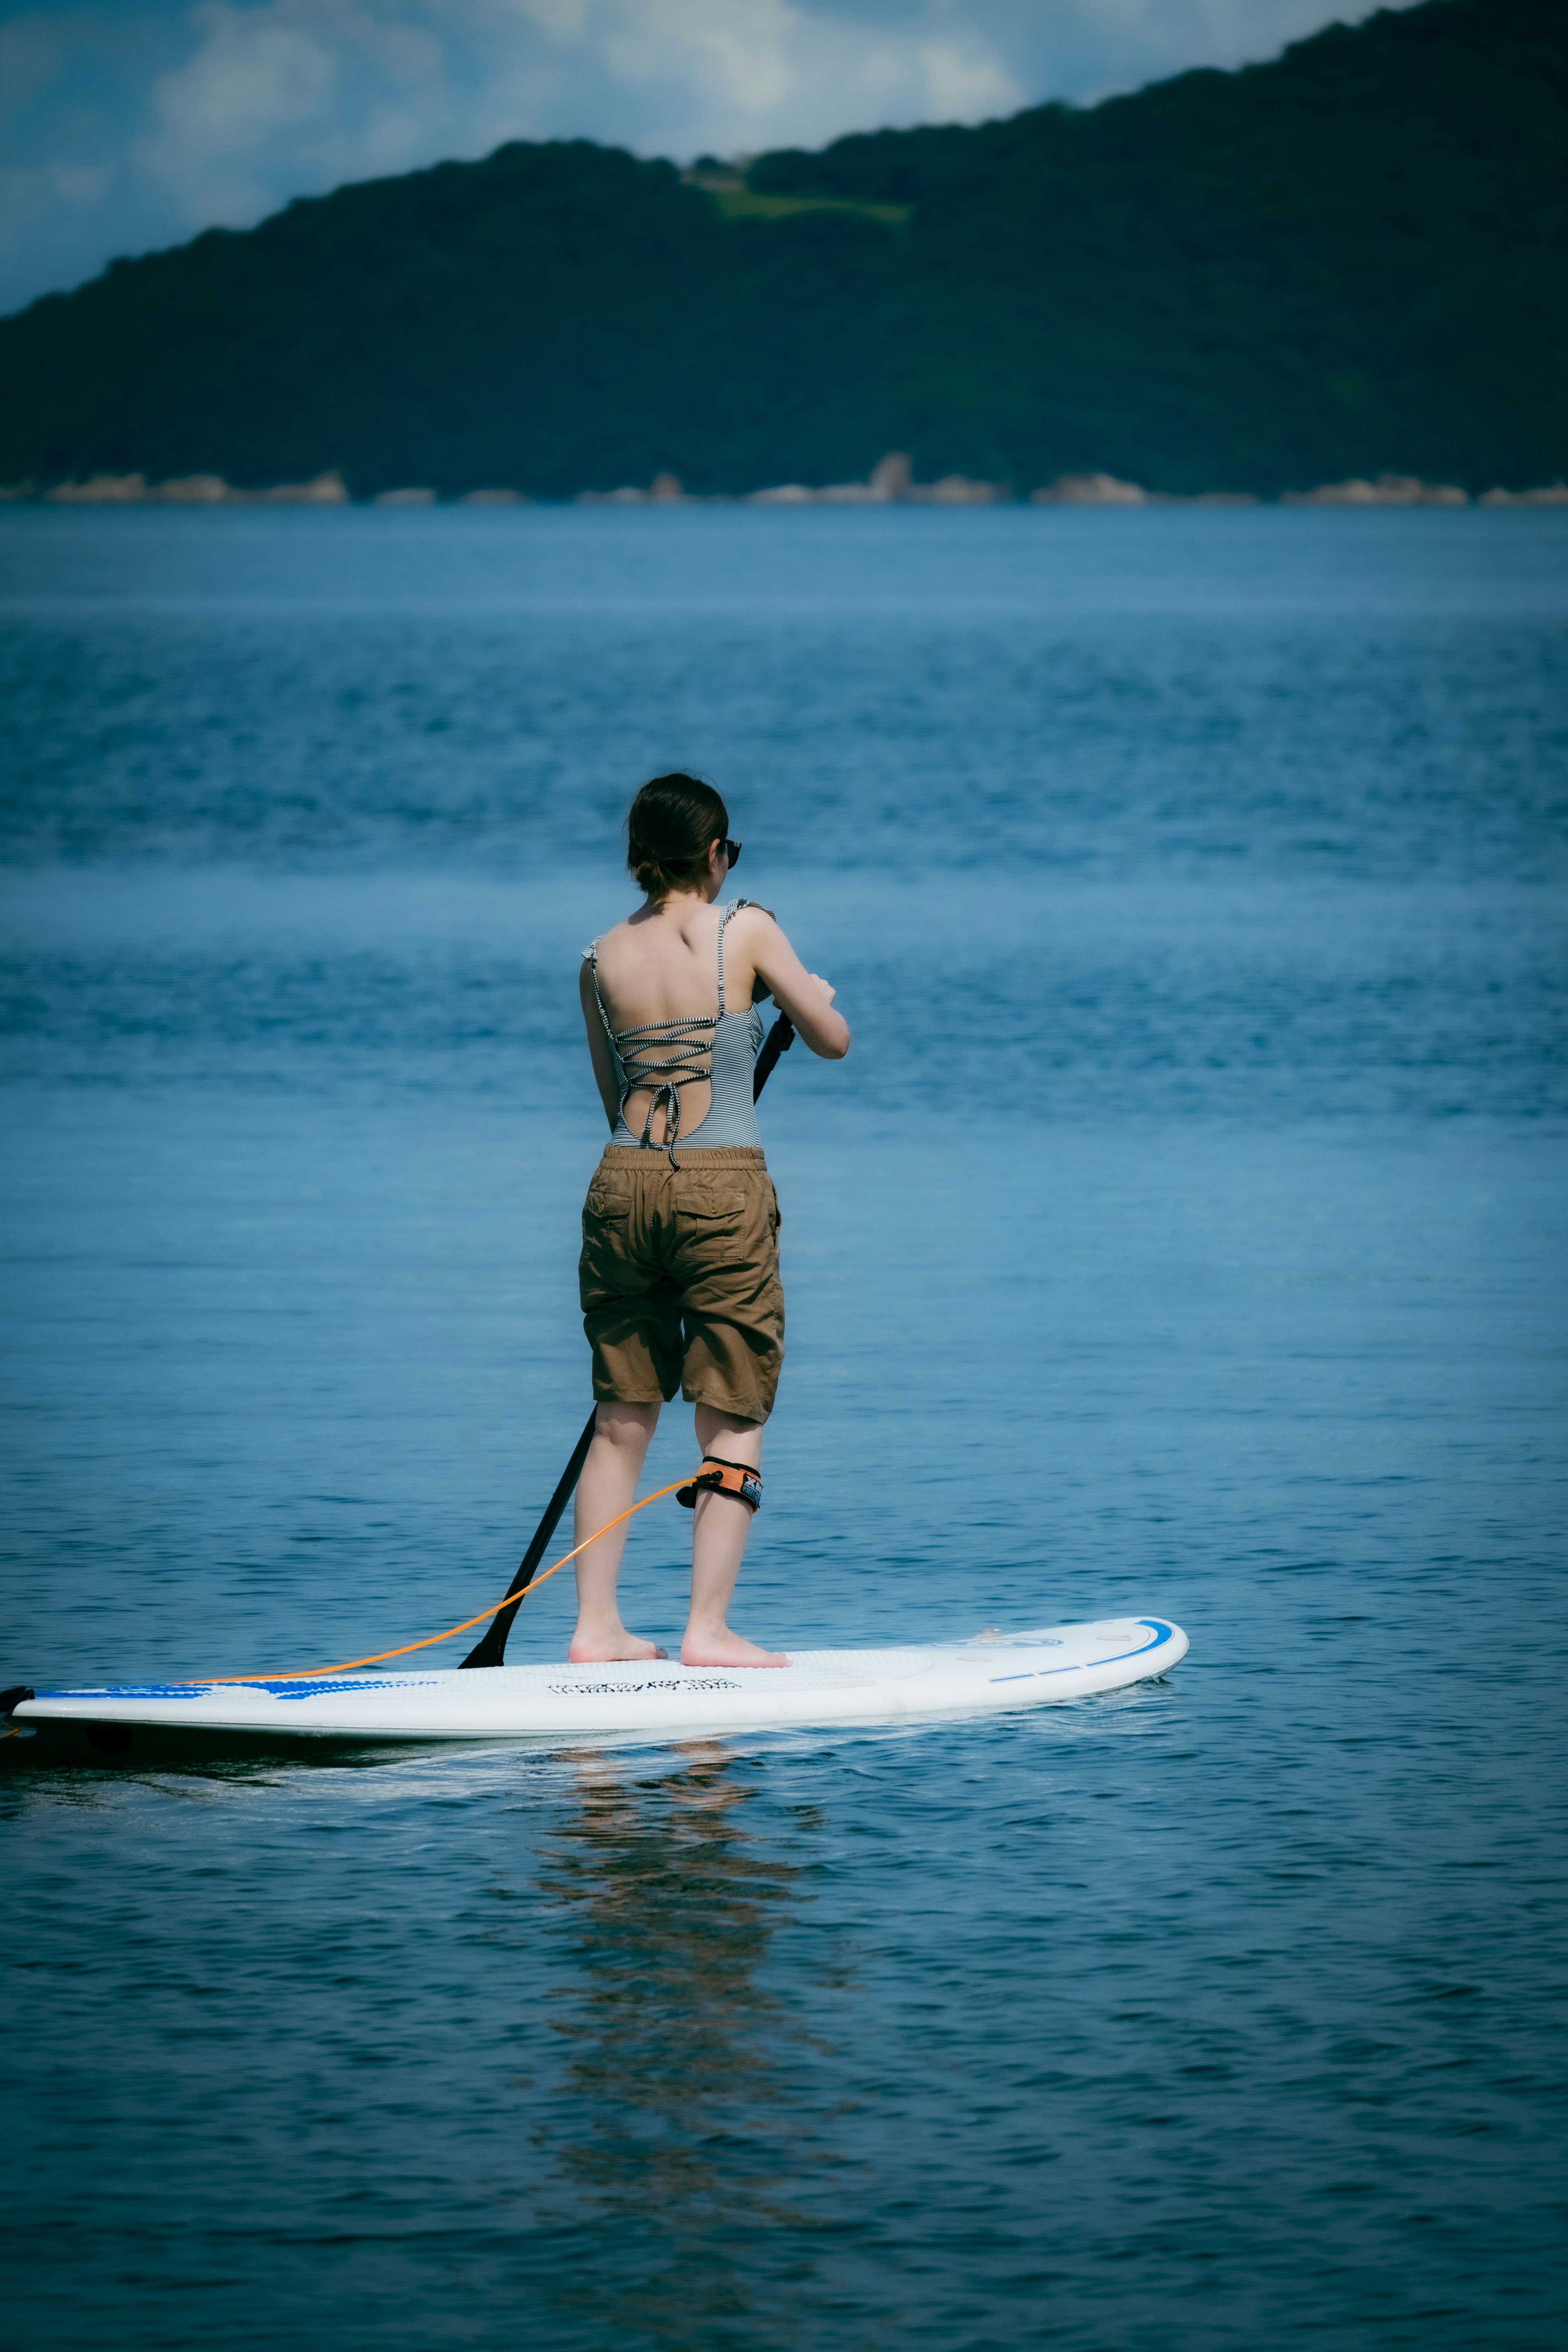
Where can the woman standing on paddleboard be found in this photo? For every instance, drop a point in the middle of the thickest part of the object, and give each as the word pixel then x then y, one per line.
pixel 680 1272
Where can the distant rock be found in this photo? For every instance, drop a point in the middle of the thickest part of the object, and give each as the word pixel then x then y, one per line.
pixel 196 490
pixel 957 490
pixel 493 499
pixel 325 490
pixel 890 483
pixel 886 480
pixel 891 477
pixel 1090 490
pixel 664 491
pixel 101 490
pixel 1551 494
pixel 1388 490
pixel 190 490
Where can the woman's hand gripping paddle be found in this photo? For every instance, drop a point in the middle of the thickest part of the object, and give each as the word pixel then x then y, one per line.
pixel 490 1649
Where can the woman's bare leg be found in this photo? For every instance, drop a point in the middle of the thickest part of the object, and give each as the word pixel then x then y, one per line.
pixel 608 1485
pixel 718 1541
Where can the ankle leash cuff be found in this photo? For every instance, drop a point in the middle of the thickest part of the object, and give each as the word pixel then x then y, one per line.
pixel 718 1476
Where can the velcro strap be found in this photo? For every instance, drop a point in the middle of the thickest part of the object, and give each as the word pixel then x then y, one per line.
pixel 718 1476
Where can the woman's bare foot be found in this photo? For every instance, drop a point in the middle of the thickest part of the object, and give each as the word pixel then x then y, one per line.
pixel 722 1648
pixel 611 1647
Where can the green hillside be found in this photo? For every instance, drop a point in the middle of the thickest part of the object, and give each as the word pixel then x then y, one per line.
pixel 1351 260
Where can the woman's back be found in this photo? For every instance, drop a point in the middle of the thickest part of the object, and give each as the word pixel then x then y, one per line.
pixel 674 985
pixel 662 964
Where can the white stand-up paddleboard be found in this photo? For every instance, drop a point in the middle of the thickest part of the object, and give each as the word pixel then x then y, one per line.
pixel 989 1673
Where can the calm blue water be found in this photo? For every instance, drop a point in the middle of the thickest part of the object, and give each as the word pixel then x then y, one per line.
pixel 1186 1234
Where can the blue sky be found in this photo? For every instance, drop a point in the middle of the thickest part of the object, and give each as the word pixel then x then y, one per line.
pixel 129 124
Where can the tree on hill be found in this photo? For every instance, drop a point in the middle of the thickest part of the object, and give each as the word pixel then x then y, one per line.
pixel 1350 260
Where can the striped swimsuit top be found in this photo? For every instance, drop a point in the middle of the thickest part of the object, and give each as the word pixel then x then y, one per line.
pixel 665 1055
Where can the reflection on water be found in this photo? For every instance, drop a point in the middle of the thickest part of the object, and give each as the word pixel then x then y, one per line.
pixel 680 2053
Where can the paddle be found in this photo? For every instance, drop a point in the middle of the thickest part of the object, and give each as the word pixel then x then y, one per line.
pixel 490 1649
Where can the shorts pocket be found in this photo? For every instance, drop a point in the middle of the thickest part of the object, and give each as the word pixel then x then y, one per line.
pixel 708 1217
pixel 606 1204
pixel 710 1207
pixel 607 1233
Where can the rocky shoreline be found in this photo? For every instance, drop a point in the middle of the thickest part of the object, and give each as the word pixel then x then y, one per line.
pixel 890 483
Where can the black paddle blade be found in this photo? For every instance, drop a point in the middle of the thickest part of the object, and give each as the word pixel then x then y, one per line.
pixel 490 1649
pixel 779 1039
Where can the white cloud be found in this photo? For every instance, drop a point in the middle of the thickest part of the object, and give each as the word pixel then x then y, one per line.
pixel 290 95
pixel 736 53
pixel 138 128
pixel 965 85
pixel 301 91
pixel 32 54
pixel 30 198
pixel 741 74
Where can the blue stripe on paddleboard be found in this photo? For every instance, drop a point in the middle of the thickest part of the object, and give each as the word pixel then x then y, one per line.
pixel 1159 1632
pixel 307 1689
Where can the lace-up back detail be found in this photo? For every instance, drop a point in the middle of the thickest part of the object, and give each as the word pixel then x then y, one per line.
pixel 665 1055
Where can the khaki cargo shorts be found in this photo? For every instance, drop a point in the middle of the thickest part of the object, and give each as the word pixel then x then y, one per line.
pixel 680 1279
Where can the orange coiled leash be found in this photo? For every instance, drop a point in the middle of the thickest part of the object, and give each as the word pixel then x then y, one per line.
pixel 347 1665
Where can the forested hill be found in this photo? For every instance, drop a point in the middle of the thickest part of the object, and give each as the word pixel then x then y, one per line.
pixel 1352 259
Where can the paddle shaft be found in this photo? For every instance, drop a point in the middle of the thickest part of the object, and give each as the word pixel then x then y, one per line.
pixel 490 1649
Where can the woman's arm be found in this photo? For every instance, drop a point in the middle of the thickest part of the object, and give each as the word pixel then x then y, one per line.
pixel 804 995
pixel 599 1046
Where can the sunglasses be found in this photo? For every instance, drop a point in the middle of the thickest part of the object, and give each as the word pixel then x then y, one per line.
pixel 732 850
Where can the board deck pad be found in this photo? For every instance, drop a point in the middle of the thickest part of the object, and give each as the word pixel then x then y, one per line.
pixel 986 1672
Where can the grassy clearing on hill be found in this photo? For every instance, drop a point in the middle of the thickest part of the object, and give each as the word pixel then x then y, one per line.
pixel 745 204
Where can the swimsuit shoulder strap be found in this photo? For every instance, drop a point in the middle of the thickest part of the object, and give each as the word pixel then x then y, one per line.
pixel 724 915
pixel 590 958
pixel 733 909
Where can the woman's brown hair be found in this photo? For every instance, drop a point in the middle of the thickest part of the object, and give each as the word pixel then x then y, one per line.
pixel 671 826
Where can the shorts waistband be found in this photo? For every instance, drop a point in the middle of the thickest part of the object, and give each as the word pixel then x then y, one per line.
pixel 711 1155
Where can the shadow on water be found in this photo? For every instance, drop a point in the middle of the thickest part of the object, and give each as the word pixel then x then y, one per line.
pixel 60 1751
pixel 702 2081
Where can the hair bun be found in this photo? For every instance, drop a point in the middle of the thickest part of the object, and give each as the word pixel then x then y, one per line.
pixel 671 827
